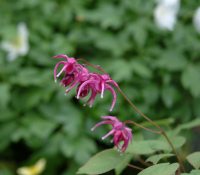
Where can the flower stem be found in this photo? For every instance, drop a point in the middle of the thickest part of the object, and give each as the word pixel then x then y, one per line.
pixel 92 65
pixel 143 162
pixel 136 124
pixel 161 131
pixel 135 167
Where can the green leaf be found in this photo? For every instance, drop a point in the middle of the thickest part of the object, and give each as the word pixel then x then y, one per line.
pixel 33 129
pixel 80 148
pixel 172 61
pixel 188 125
pixel 146 147
pixel 123 164
pixel 4 95
pixel 111 16
pixel 138 31
pixel 102 162
pixel 178 141
pixel 150 93
pixel 31 76
pixel 169 95
pixel 193 172
pixel 194 159
pixel 7 129
pixel 120 69
pixel 190 79
pixel 141 69
pixel 156 158
pixel 163 168
pixel 112 43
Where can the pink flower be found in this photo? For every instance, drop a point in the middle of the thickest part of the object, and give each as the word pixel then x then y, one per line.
pixel 120 132
pixel 74 73
pixel 97 84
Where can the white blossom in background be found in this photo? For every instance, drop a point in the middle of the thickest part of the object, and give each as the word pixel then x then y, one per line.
pixel 19 46
pixel 165 14
pixel 196 20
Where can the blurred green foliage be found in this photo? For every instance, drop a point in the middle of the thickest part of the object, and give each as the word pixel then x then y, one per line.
pixel 158 70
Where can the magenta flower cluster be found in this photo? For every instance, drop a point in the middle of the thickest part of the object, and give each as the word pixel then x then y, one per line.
pixel 120 132
pixel 75 75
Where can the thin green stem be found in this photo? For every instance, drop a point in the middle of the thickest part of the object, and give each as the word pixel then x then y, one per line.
pixel 92 65
pixel 135 167
pixel 143 162
pixel 174 150
pixel 138 125
pixel 163 122
pixel 136 109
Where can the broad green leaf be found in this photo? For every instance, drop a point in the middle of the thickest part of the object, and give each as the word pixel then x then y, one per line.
pixel 193 172
pixel 111 16
pixel 172 61
pixel 169 95
pixel 194 159
pixel 4 95
pixel 188 125
pixel 150 94
pixel 156 158
pixel 141 69
pixel 7 129
pixel 123 164
pixel 163 168
pixel 146 147
pixel 178 141
pixel 79 148
pixel 31 76
pixel 31 129
pixel 102 162
pixel 112 43
pixel 138 31
pixel 190 79
pixel 121 70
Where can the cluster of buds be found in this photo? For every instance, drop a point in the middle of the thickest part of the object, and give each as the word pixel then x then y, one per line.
pixel 75 75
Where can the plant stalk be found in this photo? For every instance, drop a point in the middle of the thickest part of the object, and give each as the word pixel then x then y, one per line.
pixel 135 167
pixel 161 131
pixel 140 126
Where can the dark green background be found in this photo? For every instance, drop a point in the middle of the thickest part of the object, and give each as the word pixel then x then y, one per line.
pixel 158 70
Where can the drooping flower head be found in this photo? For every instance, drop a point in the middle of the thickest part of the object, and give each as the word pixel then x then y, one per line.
pixel 74 74
pixel 120 132
pixel 97 84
